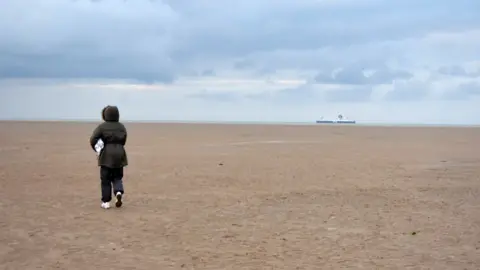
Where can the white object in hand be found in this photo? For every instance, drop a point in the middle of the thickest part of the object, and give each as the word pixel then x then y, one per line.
pixel 99 146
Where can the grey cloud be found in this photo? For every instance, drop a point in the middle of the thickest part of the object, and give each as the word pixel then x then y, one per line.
pixel 244 64
pixel 208 72
pixel 419 90
pixel 95 69
pixel 354 75
pixel 152 41
pixel 215 96
pixel 408 91
pixel 50 103
pixel 203 73
pixel 309 94
pixel 464 91
pixel 303 94
pixel 310 25
pixel 469 89
pixel 84 40
pixel 456 70
pixel 351 94
pixel 387 76
pixel 452 70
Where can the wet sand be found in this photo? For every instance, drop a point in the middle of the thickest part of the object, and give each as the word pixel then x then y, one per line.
pixel 204 196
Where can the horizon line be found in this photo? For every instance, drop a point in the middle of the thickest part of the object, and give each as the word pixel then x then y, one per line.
pixel 241 122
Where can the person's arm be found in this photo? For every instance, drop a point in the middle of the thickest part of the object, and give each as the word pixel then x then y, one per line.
pixel 126 134
pixel 97 134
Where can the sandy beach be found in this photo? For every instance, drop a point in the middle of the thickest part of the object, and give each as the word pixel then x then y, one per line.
pixel 206 196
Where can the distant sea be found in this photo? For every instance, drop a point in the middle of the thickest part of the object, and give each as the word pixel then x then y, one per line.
pixel 373 124
pixel 310 123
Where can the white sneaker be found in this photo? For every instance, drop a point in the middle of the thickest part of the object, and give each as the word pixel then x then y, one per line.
pixel 118 203
pixel 105 205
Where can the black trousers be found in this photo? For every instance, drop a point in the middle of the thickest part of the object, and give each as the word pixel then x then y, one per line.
pixel 111 178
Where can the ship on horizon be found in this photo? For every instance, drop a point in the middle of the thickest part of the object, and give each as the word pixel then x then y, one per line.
pixel 339 120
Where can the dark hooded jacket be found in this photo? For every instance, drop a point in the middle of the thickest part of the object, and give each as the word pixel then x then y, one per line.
pixel 114 135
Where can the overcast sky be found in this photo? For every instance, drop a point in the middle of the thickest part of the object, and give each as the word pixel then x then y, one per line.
pixel 399 61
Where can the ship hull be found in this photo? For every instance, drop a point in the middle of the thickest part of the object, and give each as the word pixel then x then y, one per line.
pixel 336 122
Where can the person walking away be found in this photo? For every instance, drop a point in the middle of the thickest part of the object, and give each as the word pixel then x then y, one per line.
pixel 112 158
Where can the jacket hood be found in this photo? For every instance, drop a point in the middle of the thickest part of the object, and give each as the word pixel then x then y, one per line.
pixel 111 114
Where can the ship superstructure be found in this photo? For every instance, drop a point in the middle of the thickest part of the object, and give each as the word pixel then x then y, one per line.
pixel 340 120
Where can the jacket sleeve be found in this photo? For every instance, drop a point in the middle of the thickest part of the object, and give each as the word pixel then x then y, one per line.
pixel 124 141
pixel 97 134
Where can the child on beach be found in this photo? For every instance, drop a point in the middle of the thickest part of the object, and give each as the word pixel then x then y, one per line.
pixel 112 158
